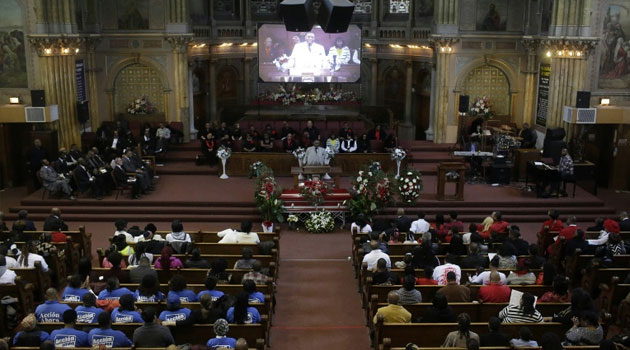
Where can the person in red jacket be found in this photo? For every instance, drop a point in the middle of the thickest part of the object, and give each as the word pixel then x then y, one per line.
pixel 495 291
pixel 553 224
pixel 499 226
pixel 569 232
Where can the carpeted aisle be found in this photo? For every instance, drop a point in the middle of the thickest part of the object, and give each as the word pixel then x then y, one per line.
pixel 318 303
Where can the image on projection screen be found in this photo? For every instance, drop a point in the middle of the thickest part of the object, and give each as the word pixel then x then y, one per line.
pixel 308 57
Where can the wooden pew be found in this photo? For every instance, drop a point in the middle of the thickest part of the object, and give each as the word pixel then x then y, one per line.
pixel 479 312
pixel 575 264
pixel 81 237
pixel 259 346
pixel 211 236
pixel 23 291
pixel 193 275
pixel 231 289
pixel 429 291
pixel 196 334
pixel 387 345
pixel 35 275
pixel 433 334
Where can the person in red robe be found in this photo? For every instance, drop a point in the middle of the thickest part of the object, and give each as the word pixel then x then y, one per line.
pixel 499 226
pixel 549 229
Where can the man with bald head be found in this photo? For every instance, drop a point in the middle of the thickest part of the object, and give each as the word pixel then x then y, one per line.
pixel 495 291
pixel 54 221
pixel 393 313
pixel 241 344
pixel 375 254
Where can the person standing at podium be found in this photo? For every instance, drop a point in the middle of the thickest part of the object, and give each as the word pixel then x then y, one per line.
pixel 315 155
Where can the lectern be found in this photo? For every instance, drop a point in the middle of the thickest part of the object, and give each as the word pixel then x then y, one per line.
pixel 457 174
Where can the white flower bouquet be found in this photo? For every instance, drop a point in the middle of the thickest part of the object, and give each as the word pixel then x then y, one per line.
pixel 409 186
pixel 330 153
pixel 224 152
pixel 292 219
pixel 320 222
pixel 481 107
pixel 398 154
pixel 140 106
pixel 300 154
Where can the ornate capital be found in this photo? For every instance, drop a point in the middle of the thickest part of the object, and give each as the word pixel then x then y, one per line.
pixel 531 45
pixel 179 44
pixel 569 47
pixel 443 44
pixel 56 45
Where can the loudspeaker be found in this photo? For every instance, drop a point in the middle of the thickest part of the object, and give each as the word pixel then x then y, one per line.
pixel 583 99
pixel 555 134
pixel 83 112
pixel 335 15
pixel 464 101
pixel 298 15
pixel 38 98
pixel 500 174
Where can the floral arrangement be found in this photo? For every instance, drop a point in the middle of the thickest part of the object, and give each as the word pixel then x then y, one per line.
pixel 224 152
pixel 313 96
pixel 266 197
pixel 257 169
pixel 330 153
pixel 409 186
pixel 320 222
pixel 481 107
pixel 314 191
pixel 299 154
pixel 140 106
pixel 292 219
pixel 375 167
pixel 398 154
pixel 371 191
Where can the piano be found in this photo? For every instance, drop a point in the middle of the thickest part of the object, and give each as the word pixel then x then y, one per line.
pixel 544 174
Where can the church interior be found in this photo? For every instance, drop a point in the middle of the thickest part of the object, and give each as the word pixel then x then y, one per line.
pixel 436 132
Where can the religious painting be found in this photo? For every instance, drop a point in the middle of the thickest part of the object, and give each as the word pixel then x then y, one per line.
pixel 12 53
pixel 492 15
pixel 614 60
pixel 398 6
pixel 226 84
pixel 133 14
pixel 264 7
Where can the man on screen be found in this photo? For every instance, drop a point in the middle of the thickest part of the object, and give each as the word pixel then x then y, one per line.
pixel 338 55
pixel 308 54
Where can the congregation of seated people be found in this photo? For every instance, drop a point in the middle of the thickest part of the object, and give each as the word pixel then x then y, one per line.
pixel 213 137
pixel 443 250
pixel 90 307
pixel 97 172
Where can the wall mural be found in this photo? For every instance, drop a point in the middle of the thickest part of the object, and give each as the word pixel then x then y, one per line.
pixel 614 64
pixel 492 15
pixel 133 14
pixel 12 53
pixel 489 81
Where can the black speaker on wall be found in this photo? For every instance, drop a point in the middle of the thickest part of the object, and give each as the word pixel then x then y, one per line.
pixel 464 101
pixel 335 15
pixel 38 98
pixel 298 15
pixel 583 99
pixel 83 111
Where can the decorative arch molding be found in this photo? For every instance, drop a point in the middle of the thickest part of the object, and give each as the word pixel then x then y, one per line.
pixel 503 66
pixel 126 62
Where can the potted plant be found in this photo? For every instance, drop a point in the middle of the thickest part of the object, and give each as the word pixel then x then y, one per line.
pixel 293 221
pixel 267 199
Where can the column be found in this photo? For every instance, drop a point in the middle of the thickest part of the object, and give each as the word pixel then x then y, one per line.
pixel 213 90
pixel 41 13
pixel 374 81
pixel 446 16
pixel 529 99
pixel 406 129
pixel 376 5
pixel 430 132
pixel 177 16
pixel 57 64
pixel 179 46
pixel 246 89
pixel 92 81
pixel 442 49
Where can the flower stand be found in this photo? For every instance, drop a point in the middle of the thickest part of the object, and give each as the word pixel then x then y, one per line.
pixel 224 175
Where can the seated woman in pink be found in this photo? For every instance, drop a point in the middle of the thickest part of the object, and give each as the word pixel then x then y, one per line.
pixel 167 261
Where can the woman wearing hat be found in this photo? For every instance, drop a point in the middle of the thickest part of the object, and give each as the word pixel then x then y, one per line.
pixel 221 341
pixel 30 335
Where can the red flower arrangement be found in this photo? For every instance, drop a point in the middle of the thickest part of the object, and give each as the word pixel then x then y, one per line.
pixel 314 191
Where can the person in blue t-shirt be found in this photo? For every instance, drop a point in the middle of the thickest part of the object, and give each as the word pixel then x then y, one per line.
pixel 105 335
pixel 249 286
pixel 241 312
pixel 113 291
pixel 178 287
pixel 126 312
pixel 51 310
pixel 74 292
pixel 174 312
pixel 88 312
pixel 68 337
pixel 221 341
pixel 211 284
pixel 149 290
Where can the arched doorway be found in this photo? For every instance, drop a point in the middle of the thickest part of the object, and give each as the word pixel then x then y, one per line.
pixel 135 81
pixel 492 82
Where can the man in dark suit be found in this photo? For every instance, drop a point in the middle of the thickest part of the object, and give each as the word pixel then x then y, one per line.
pixel 61 164
pixel 34 158
pixel 123 180
pixel 624 221
pixel 402 222
pixel 140 164
pixel 114 146
pixel 87 181
pixel 129 166
pixel 148 142
pixel 54 220
pixel 97 167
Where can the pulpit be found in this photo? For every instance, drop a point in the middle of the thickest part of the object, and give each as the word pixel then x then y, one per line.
pixel 315 170
pixel 456 172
